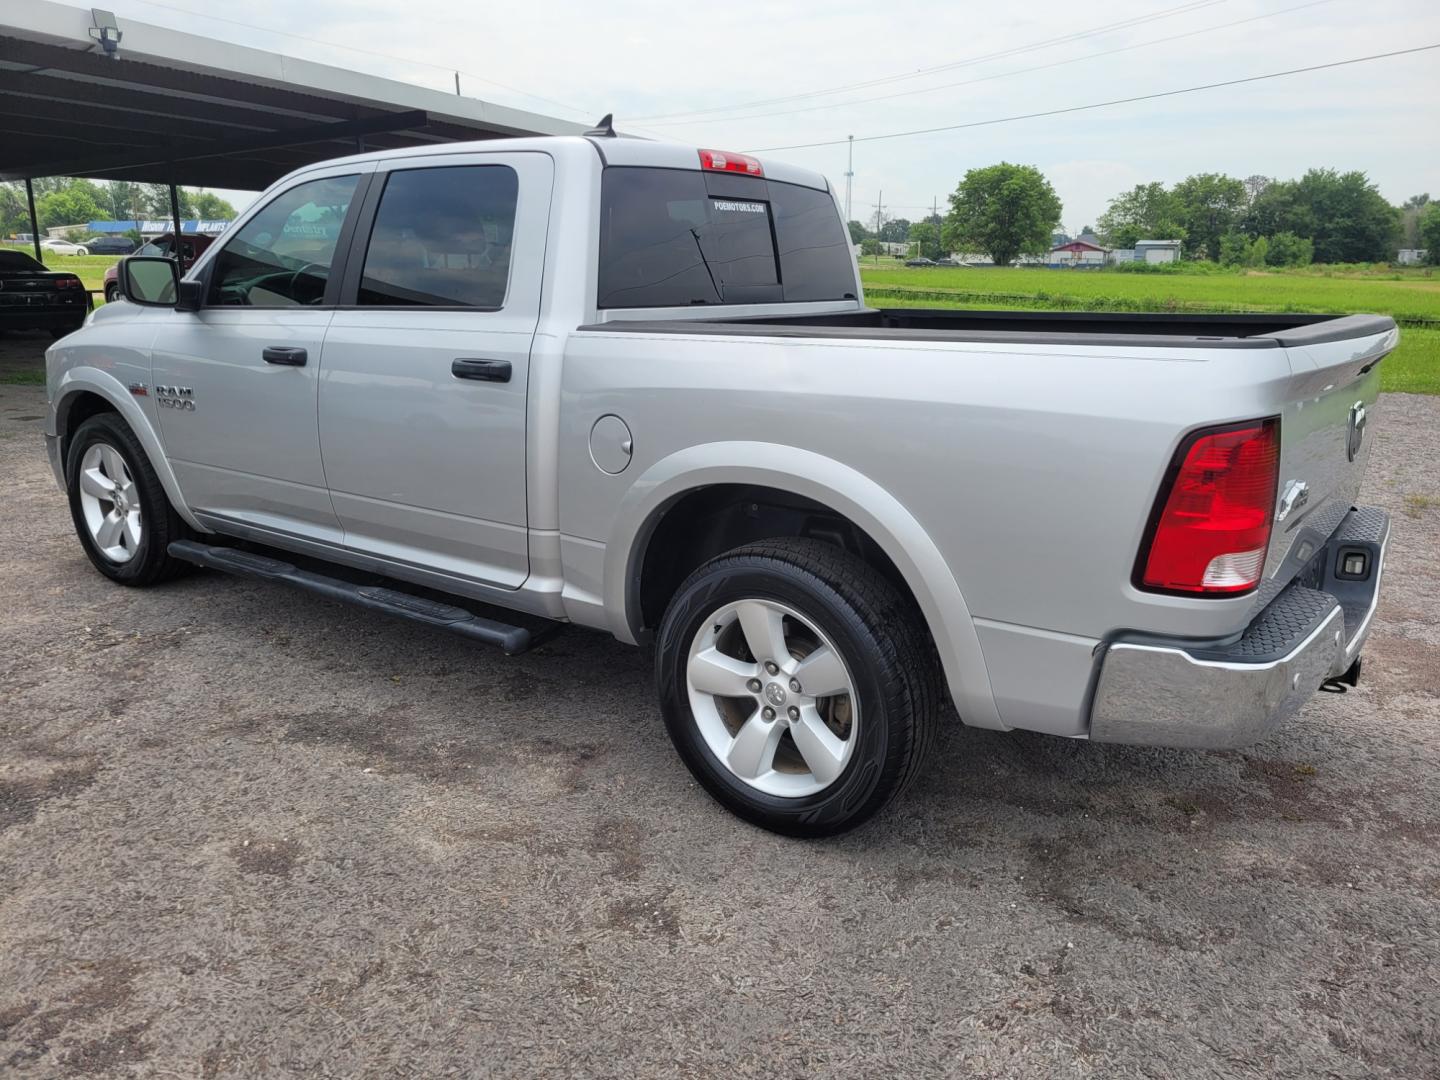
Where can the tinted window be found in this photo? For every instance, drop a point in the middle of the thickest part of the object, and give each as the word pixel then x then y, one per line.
pixel 18 260
pixel 673 237
pixel 442 238
pixel 281 257
pixel 814 246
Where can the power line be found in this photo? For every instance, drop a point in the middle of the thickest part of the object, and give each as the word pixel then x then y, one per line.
pixel 999 74
pixel 362 52
pixel 1102 104
pixel 1078 35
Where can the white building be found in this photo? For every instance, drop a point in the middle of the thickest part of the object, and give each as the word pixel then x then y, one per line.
pixel 1411 256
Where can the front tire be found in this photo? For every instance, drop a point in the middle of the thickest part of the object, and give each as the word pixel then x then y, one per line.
pixel 121 512
pixel 798 685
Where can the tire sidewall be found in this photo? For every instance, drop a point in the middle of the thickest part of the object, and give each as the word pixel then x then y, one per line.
pixel 699 599
pixel 111 431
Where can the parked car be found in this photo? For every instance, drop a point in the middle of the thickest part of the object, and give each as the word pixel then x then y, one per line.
pixel 63 247
pixel 110 245
pixel 920 262
pixel 191 248
pixel 33 297
pixel 636 387
pixel 946 262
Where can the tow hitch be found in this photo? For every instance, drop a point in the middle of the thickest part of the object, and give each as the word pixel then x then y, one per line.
pixel 1340 683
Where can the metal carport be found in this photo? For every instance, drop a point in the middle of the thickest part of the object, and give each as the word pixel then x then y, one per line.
pixel 175 108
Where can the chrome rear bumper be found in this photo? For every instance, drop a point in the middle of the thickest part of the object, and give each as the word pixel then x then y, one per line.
pixel 1155 692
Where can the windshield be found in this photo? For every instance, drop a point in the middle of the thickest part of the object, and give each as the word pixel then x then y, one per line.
pixel 675 237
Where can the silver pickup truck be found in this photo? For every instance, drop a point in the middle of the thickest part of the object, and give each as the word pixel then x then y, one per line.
pixel 635 386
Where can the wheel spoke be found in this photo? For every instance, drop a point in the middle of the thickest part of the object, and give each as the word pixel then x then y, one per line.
pixel 132 529
pixel 94 482
pixel 822 751
pixel 114 464
pixel 764 630
pixel 752 751
pixel 712 672
pixel 822 674
pixel 108 535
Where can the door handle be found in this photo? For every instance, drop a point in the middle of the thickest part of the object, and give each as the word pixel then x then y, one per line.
pixel 289 355
pixel 484 370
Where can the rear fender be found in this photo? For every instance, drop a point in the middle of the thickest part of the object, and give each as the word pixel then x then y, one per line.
pixel 842 489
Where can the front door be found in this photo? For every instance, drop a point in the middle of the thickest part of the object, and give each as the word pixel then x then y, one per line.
pixel 423 393
pixel 236 382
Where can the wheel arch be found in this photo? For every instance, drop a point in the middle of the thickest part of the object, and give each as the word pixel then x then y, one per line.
pixel 85 392
pixel 812 481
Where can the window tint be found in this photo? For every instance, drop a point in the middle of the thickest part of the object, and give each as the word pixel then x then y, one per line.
pixel 18 260
pixel 814 246
pixel 442 238
pixel 281 257
pixel 672 237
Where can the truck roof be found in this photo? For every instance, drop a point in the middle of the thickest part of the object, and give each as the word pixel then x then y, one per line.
pixel 616 150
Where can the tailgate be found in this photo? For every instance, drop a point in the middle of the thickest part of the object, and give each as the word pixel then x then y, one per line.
pixel 1326 430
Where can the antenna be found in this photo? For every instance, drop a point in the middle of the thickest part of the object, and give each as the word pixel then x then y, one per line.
pixel 605 129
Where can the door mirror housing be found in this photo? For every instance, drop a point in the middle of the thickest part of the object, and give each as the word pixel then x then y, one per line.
pixel 152 281
pixel 191 296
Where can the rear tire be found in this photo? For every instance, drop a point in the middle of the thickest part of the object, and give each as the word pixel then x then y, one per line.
pixel 798 685
pixel 121 512
pixel 112 293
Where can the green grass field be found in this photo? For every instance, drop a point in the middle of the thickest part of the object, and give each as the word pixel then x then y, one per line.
pixel 1412 297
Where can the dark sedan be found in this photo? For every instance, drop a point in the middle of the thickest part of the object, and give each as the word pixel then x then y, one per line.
pixel 34 298
pixel 110 245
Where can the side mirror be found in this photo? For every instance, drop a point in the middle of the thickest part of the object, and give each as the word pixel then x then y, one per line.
pixel 149 280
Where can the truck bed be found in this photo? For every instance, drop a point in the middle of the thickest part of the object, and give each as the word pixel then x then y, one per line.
pixel 1243 330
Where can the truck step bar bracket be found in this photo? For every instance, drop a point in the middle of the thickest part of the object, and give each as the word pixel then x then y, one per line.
pixel 512 640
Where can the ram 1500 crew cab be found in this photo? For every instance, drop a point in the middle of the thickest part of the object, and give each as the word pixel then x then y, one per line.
pixel 636 386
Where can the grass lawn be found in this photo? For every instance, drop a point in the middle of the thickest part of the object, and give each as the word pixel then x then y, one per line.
pixel 1412 297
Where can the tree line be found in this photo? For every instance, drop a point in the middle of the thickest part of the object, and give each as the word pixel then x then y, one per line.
pixel 73 201
pixel 1326 216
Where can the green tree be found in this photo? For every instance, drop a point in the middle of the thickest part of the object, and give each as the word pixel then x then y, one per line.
pixel 1145 212
pixel 1287 249
pixel 1259 253
pixel 1234 249
pixel 210 207
pixel 1430 233
pixel 870 246
pixel 1343 214
pixel 14 214
pixel 74 204
pixel 926 238
pixel 895 230
pixel 1208 206
pixel 1003 210
pixel 858 232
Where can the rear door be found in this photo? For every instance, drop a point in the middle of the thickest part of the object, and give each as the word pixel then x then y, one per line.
pixel 423 396
pixel 237 380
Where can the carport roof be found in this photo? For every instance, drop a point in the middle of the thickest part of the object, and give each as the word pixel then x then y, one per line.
pixel 180 108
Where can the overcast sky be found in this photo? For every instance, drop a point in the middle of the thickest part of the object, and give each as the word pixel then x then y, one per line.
pixel 647 62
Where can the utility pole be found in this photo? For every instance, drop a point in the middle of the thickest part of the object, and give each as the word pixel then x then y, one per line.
pixel 457 84
pixel 879 221
pixel 935 224
pixel 849 177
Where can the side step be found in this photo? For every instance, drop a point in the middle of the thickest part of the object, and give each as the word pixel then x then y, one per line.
pixel 512 639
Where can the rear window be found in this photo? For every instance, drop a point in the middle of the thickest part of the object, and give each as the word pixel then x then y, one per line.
pixel 672 238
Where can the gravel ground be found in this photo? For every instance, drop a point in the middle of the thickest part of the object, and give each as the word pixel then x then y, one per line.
pixel 247 833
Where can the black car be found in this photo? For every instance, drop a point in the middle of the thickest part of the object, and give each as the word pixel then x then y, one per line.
pixel 110 245
pixel 919 262
pixel 34 298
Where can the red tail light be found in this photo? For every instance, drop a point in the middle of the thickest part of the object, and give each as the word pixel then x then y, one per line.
pixel 67 283
pixel 724 161
pixel 1213 526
